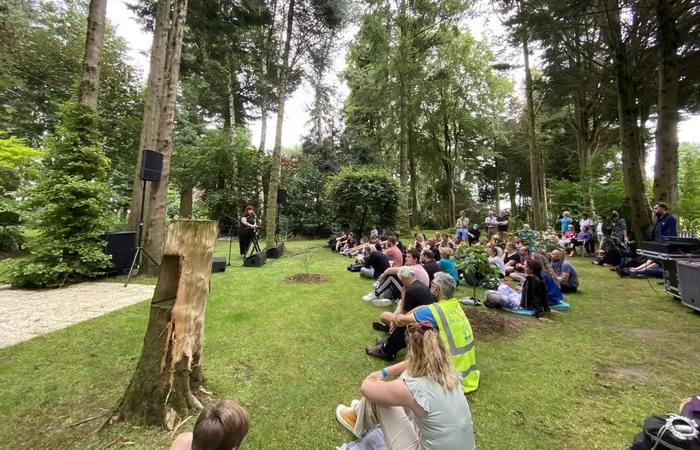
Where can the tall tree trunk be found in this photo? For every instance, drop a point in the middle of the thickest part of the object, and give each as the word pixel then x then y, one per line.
pixel 232 129
pixel 498 183
pixel 403 95
pixel 415 211
pixel 155 223
pixel 632 161
pixel 536 172
pixel 513 194
pixel 169 374
pixel 261 153
pixel 317 109
pixel 186 201
pixel 90 84
pixel 271 210
pixel 666 170
pixel 151 112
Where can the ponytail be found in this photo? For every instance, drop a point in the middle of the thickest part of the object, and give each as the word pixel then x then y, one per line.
pixel 427 356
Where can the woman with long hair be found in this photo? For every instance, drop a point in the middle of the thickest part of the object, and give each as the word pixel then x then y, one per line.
pixel 554 295
pixel 430 389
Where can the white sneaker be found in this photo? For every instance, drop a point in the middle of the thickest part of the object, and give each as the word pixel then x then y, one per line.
pixel 381 302
pixel 369 297
pixel 376 284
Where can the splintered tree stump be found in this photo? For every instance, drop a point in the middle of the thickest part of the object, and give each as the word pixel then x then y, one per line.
pixel 169 373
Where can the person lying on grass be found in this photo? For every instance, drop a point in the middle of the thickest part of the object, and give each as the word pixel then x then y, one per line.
pixel 532 295
pixel 220 426
pixel 429 389
pixel 454 328
pixel 414 294
pixel 389 280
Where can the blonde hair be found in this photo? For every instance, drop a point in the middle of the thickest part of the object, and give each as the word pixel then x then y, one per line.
pixel 438 236
pixel 428 357
pixel 546 266
pixel 446 252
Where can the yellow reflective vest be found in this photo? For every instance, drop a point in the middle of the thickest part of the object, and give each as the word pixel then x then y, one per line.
pixel 456 333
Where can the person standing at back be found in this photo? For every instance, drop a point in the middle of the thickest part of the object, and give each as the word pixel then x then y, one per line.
pixel 665 224
pixel 565 220
pixel 619 227
pixel 502 225
pixel 600 231
pixel 586 222
pixel 491 226
pixel 462 227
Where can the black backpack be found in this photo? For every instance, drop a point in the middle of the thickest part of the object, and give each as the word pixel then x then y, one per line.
pixel 669 432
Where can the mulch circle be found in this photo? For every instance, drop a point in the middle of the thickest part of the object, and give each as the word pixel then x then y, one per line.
pixel 310 278
pixel 489 323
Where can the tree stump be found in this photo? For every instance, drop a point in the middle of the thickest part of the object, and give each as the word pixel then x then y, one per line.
pixel 169 374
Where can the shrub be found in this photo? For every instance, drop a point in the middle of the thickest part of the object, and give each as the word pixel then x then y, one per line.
pixel 72 195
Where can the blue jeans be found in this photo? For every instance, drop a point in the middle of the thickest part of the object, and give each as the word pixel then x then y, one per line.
pixel 367 272
pixel 462 234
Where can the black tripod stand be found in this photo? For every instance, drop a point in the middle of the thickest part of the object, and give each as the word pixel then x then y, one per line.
pixel 254 243
pixel 140 249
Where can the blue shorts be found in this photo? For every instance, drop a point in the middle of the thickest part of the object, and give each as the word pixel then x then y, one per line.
pixel 462 234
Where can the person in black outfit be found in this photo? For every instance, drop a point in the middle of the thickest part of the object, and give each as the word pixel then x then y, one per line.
pixel 375 264
pixel 416 294
pixel 473 235
pixel 612 255
pixel 246 229
pixel 534 294
pixel 433 248
pixel 429 264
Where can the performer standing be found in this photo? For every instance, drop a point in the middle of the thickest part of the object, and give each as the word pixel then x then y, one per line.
pixel 246 228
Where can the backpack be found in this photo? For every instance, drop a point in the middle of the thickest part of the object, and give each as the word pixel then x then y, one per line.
pixel 690 408
pixel 669 432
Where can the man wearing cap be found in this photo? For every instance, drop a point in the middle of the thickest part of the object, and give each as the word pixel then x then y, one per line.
pixel 246 228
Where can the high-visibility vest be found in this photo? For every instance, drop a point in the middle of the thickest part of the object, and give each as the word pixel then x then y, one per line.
pixel 456 333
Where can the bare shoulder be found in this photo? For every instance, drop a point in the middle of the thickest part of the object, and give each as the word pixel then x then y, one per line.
pixel 182 442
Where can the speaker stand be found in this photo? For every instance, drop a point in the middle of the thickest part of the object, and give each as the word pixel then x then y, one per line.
pixel 140 249
pixel 254 244
pixel 230 242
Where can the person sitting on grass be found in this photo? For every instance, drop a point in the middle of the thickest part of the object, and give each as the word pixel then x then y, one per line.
pixel 517 272
pixel 554 294
pixel 448 317
pixel 429 390
pixel 414 294
pixel 430 245
pixel 340 242
pixel 473 235
pixel 511 257
pixel 649 269
pixel 446 242
pixel 447 265
pixel 419 243
pixel 532 295
pixel 610 252
pixel 375 263
pixel 496 261
pixel 393 252
pixel 389 280
pixel 427 260
pixel 566 273
pixel 220 426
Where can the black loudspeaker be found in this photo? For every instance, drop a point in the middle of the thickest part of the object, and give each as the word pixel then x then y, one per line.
pixel 275 252
pixel 281 196
pixel 121 247
pixel 218 265
pixel 255 260
pixel 151 165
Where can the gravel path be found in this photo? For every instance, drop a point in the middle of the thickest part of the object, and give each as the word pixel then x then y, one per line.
pixel 25 314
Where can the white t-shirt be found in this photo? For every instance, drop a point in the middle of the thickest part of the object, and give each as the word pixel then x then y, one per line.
pixel 599 229
pixel 491 220
pixel 587 223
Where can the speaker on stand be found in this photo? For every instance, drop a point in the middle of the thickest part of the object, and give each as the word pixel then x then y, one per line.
pixel 151 169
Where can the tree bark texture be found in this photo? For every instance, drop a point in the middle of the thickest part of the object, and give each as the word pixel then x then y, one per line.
pixel 271 210
pixel 151 112
pixel 536 174
pixel 415 210
pixel 261 152
pixel 403 95
pixel 632 160
pixel 155 223
pixel 94 41
pixel 186 201
pixel 169 374
pixel 666 169
pixel 498 183
pixel 232 125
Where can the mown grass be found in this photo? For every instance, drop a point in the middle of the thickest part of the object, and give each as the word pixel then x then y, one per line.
pixel 291 352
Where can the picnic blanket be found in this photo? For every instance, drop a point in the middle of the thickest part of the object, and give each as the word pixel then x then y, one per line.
pixel 561 306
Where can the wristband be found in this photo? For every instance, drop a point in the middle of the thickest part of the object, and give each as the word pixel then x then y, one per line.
pixel 384 374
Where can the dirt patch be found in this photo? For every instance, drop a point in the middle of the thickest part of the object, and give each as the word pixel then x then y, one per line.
pixel 632 374
pixel 643 334
pixel 488 323
pixel 288 254
pixel 310 278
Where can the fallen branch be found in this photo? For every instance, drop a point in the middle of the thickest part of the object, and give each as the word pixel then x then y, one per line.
pixel 182 422
pixel 90 419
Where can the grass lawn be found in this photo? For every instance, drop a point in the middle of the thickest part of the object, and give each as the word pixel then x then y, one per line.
pixel 291 352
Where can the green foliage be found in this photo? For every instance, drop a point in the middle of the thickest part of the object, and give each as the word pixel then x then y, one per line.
pixel 474 261
pixel 363 198
pixel 307 212
pixel 18 166
pixel 72 196
pixel 688 207
pixel 11 239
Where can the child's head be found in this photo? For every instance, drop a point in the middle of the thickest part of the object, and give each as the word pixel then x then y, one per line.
pixel 220 426
pixel 446 252
pixel 533 267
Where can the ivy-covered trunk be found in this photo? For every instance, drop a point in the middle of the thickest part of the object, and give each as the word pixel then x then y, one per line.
pixel 90 84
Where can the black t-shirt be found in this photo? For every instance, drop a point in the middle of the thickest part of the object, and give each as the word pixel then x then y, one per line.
pixel 514 257
pixel 417 295
pixel 436 252
pixel 476 233
pixel 250 219
pixel 378 261
pixel 432 268
pixel 401 247
pixel 503 227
